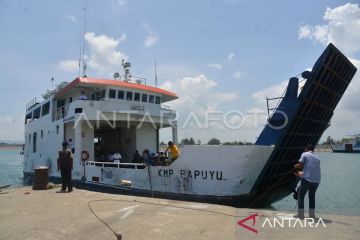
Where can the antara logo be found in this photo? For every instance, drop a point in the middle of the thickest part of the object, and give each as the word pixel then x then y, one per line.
pixel 253 217
pixel 281 222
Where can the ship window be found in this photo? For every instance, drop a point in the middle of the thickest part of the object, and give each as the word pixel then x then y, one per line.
pixel 28 117
pixel 157 100
pixel 137 97
pixel 41 133
pixel 36 113
pixel 144 98
pixel 112 93
pixel 151 99
pixel 103 93
pixel 57 129
pixel 121 94
pixel 70 100
pixel 129 96
pixel 34 142
pixel 45 109
pixel 29 139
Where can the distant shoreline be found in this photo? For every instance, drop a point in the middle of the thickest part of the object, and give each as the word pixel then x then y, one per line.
pixel 10 147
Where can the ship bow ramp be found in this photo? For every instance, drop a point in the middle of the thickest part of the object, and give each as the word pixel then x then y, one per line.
pixel 300 119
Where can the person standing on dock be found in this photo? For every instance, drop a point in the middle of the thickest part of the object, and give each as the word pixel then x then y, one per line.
pixel 65 165
pixel 310 163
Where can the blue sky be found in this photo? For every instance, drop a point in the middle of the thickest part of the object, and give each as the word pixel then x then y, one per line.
pixel 220 55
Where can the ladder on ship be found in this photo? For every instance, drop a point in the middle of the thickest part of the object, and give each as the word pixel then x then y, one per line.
pixel 320 95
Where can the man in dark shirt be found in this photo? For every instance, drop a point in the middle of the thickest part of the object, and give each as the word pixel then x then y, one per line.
pixel 65 165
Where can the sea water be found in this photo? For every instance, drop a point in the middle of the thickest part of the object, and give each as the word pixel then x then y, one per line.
pixel 11 167
pixel 338 192
pixel 339 189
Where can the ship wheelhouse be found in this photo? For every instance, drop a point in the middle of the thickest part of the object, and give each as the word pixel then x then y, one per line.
pixel 117 116
pixel 101 117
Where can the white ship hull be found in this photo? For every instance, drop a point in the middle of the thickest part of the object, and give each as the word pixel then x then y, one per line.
pixel 222 174
pixel 345 148
pixel 201 170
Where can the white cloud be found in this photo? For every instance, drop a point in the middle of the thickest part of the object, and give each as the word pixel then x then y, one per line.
pixel 104 56
pixel 71 18
pixel 68 65
pixel 237 75
pixel 217 66
pixel 151 38
pixel 197 95
pixel 305 32
pixel 272 91
pixel 342 28
pixel 231 56
pixel 122 2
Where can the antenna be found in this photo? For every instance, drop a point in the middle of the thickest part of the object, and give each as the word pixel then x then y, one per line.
pixel 156 82
pixel 80 54
pixel 52 83
pixel 83 50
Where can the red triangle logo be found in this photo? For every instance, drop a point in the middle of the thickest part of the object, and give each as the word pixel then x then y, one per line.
pixel 253 217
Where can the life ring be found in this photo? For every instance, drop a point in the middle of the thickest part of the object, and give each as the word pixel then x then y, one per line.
pixel 84 155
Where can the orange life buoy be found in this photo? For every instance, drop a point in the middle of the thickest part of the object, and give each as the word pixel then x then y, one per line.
pixel 84 155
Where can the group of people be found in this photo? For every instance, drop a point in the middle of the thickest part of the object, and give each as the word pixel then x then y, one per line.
pixel 159 159
pixel 147 157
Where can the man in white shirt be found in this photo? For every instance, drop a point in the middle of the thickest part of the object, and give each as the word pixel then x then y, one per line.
pixel 83 96
pixel 310 163
pixel 116 157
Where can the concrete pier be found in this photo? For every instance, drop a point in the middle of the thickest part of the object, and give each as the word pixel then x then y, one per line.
pixel 47 214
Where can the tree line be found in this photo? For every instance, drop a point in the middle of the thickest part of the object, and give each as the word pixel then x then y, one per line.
pixel 212 141
pixel 216 141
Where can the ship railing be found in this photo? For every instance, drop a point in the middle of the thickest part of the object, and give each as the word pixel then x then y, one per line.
pixel 272 110
pixel 132 79
pixel 35 101
pixel 166 109
pixel 116 165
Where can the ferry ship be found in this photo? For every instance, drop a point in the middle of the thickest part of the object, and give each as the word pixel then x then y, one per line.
pixel 348 145
pixel 125 115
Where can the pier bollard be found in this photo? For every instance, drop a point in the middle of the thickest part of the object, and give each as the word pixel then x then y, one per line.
pixel 41 175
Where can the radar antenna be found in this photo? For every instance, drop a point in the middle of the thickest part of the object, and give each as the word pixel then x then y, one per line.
pixel 127 74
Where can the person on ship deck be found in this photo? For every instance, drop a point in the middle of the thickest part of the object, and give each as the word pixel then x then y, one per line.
pixel 83 96
pixel 174 151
